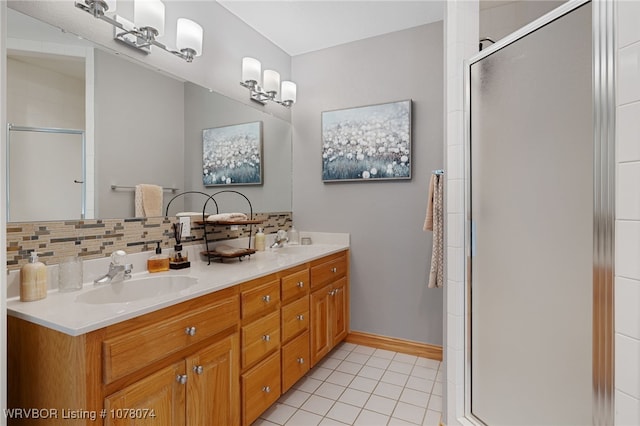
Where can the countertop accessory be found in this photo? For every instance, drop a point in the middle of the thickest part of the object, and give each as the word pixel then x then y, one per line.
pixel 33 280
pixel 70 274
pixel 305 241
pixel 179 259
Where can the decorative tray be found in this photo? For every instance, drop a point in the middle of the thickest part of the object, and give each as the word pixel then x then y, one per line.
pixel 228 222
pixel 237 254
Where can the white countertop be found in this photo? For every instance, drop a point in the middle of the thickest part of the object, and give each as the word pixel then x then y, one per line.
pixel 62 312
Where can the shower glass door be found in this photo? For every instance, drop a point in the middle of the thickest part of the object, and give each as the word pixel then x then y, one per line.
pixel 531 173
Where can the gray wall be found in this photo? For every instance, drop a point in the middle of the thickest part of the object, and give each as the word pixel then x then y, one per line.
pixel 502 19
pixel 391 254
pixel 125 149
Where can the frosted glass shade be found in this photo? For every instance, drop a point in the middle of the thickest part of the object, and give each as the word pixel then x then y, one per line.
pixel 271 82
pixel 111 4
pixel 149 13
pixel 189 36
pixel 251 70
pixel 289 90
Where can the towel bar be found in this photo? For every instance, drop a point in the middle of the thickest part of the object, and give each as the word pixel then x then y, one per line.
pixel 114 187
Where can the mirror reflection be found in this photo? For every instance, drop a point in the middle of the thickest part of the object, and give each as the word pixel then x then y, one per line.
pixel 141 126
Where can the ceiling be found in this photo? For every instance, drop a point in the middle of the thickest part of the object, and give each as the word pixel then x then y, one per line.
pixel 301 26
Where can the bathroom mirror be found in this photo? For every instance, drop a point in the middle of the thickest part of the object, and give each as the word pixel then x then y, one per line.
pixel 142 126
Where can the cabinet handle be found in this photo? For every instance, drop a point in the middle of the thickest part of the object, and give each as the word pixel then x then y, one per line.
pixel 266 389
pixel 300 360
pixel 191 331
pixel 300 317
pixel 332 293
pixel 266 338
pixel 334 270
pixel 300 284
pixel 181 378
pixel 198 369
pixel 266 298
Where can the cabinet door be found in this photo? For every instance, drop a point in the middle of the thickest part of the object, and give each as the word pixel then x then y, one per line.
pixel 157 400
pixel 213 394
pixel 338 314
pixel 320 337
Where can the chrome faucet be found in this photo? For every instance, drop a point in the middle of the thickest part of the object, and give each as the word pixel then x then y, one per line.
pixel 118 272
pixel 281 238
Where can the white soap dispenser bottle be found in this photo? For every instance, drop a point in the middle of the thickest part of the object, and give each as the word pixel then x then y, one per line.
pixel 259 242
pixel 294 236
pixel 33 280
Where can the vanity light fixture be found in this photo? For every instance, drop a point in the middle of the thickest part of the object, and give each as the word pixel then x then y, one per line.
pixel 270 86
pixel 148 24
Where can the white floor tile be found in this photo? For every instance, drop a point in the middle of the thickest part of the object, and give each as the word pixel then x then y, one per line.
pixel 338 354
pixel 409 413
pixel 432 418
pixel 429 363
pixel 371 372
pixel 409 359
pixel 330 422
pixel 340 378
pixel 319 373
pixel 377 362
pixel 417 383
pixel 394 378
pixel 400 367
pixel 424 373
pixel 388 390
pixel 435 403
pixel 354 397
pixel 381 405
pixel 330 363
pixel 437 389
pixel 349 367
pixel 308 384
pixel 363 384
pixel 263 422
pixel 344 412
pixel 294 397
pixel 318 405
pixel 370 418
pixel 357 358
pixel 330 390
pixel 346 346
pixel 278 413
pixel 398 422
pixel 383 353
pixel 364 350
pixel 304 418
pixel 412 396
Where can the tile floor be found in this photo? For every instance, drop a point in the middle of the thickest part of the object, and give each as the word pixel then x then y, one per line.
pixel 359 385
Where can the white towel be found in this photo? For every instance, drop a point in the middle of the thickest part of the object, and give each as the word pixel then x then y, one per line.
pixel 148 200
pixel 227 217
pixel 436 273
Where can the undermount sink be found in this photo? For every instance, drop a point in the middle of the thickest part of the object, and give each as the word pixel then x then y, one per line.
pixel 137 289
pixel 291 249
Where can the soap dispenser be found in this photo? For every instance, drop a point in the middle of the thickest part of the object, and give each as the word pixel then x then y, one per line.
pixel 260 240
pixel 294 236
pixel 33 280
pixel 158 262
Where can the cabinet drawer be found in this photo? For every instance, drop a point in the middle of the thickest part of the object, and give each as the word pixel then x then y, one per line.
pixel 136 349
pixel 295 360
pixel 260 388
pixel 259 338
pixel 295 285
pixel 295 318
pixel 260 299
pixel 328 271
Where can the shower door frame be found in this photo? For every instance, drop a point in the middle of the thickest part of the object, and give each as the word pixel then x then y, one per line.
pixel 603 84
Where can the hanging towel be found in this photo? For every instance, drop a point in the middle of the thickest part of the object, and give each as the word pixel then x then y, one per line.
pixel 148 200
pixel 436 274
pixel 428 220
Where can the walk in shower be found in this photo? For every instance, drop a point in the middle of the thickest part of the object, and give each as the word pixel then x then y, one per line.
pixel 539 243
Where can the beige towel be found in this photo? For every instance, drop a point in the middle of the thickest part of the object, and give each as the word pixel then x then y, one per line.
pixel 148 200
pixel 436 274
pixel 428 220
pixel 227 217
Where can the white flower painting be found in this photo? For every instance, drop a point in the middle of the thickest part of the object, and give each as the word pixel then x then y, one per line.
pixel 367 143
pixel 232 155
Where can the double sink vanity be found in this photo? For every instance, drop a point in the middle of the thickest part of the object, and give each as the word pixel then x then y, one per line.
pixel 210 345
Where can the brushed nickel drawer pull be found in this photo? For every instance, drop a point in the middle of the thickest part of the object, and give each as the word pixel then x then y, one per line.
pixel 198 369
pixel 266 298
pixel 300 317
pixel 300 284
pixel 334 270
pixel 191 331
pixel 300 360
pixel 266 389
pixel 266 338
pixel 181 378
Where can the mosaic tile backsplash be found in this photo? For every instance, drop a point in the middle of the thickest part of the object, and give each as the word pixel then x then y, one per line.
pixel 96 238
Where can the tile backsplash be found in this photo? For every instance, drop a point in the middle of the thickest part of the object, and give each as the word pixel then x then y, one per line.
pixel 96 238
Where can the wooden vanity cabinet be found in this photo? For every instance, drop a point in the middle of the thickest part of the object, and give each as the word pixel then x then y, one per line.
pixel 329 304
pixel 220 359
